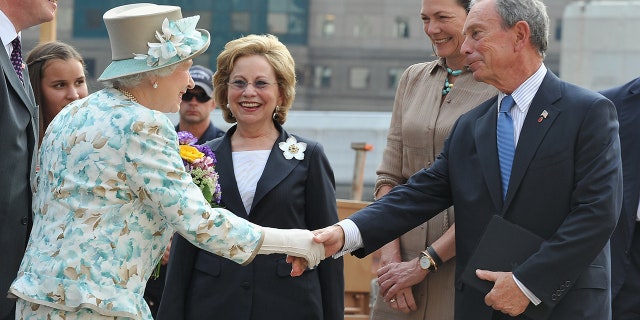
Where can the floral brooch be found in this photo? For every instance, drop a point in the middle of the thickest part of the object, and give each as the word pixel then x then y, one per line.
pixel 293 149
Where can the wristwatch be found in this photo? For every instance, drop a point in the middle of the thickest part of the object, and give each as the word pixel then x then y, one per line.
pixel 426 261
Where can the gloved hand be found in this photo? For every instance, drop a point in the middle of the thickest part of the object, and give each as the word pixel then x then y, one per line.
pixel 293 242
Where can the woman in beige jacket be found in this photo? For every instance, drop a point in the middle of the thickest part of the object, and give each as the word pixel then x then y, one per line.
pixel 429 99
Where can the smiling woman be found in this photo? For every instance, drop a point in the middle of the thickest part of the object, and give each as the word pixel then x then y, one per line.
pixel 267 176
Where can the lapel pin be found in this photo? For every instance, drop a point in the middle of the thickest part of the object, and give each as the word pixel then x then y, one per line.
pixel 543 115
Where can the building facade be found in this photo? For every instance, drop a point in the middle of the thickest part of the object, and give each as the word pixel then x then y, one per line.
pixel 349 53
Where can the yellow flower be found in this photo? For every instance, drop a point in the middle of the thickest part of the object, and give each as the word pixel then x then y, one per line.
pixel 190 153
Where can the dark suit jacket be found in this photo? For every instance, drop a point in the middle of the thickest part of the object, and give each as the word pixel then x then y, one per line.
pixel 627 100
pixel 19 125
pixel 566 186
pixel 289 194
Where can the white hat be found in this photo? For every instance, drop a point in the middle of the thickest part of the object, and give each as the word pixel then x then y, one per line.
pixel 146 36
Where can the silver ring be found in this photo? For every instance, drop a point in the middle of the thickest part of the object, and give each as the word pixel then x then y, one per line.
pixel 393 300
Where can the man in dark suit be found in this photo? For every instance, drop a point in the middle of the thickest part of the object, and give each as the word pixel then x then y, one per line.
pixel 18 141
pixel 564 183
pixel 625 241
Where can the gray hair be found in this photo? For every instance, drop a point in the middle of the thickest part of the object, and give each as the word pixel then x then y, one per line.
pixel 533 12
pixel 134 80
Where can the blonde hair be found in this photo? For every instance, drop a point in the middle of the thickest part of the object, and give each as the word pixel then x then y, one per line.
pixel 278 57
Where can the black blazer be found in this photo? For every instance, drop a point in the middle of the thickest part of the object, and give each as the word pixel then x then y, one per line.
pixel 289 194
pixel 627 100
pixel 18 142
pixel 566 186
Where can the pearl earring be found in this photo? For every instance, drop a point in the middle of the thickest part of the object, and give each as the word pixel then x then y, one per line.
pixel 155 85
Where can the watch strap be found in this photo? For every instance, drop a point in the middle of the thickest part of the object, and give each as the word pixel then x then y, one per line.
pixel 434 255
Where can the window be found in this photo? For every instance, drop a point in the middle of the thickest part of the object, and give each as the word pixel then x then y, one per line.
pixel 359 78
pixel 401 28
pixel 393 77
pixel 287 17
pixel 240 22
pixel 301 76
pixel 321 77
pixel 94 19
pixel 277 23
pixel 363 27
pixel 328 25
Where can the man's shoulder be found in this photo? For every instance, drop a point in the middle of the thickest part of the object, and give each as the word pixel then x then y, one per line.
pixel 631 88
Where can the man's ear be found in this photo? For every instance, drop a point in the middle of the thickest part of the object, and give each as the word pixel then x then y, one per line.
pixel 522 35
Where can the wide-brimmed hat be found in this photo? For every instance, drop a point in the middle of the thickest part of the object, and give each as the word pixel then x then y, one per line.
pixel 146 36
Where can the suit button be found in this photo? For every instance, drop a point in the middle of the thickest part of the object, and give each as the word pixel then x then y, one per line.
pixel 554 297
pixel 245 285
pixel 24 221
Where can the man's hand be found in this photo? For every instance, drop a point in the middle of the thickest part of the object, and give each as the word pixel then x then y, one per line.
pixel 395 281
pixel 332 237
pixel 505 296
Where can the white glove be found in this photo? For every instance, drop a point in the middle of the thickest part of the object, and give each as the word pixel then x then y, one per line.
pixel 293 242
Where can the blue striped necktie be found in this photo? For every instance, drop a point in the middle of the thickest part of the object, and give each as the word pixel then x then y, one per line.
pixel 506 143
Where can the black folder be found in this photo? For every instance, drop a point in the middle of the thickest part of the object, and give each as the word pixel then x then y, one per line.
pixel 503 246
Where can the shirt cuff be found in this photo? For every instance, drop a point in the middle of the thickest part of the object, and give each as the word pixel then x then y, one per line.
pixel 352 238
pixel 532 297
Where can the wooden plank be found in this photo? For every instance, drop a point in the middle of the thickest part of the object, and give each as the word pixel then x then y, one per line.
pixel 357 272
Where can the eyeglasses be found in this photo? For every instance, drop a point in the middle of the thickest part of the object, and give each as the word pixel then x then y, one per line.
pixel 201 97
pixel 242 85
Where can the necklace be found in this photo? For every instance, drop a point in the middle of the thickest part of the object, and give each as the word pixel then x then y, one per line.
pixel 447 85
pixel 128 95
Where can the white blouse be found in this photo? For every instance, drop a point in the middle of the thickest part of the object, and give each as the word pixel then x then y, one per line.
pixel 248 167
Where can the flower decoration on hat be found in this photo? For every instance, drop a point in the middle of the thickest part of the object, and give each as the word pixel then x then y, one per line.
pixel 178 37
pixel 293 149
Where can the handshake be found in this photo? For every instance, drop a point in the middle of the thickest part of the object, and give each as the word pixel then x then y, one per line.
pixel 303 248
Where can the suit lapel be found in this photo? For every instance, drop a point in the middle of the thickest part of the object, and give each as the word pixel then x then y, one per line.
pixel 24 91
pixel 485 138
pixel 230 194
pixel 276 169
pixel 534 129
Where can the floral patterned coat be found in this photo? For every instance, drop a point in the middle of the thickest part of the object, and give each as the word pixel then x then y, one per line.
pixel 111 191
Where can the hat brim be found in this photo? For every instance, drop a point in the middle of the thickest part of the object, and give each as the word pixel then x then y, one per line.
pixel 128 67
